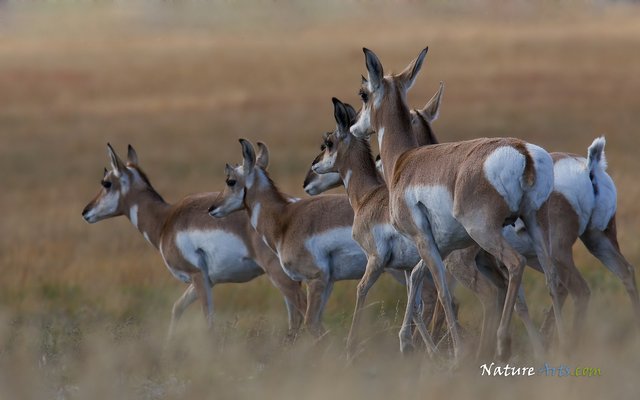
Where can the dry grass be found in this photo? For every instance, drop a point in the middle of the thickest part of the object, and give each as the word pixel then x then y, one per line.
pixel 84 308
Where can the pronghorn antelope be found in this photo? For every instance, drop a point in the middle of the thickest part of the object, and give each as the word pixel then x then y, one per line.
pixel 447 196
pixel 316 183
pixel 312 236
pixel 421 119
pixel 196 249
pixel 582 205
pixel 385 247
pixel 367 193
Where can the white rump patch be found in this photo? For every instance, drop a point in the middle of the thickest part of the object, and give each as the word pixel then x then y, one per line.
pixel 503 169
pixel 543 185
pixel 571 179
pixel 606 198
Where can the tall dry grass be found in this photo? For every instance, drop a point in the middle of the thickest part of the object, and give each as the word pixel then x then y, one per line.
pixel 84 308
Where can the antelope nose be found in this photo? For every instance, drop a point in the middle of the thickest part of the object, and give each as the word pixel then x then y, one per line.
pixel 85 215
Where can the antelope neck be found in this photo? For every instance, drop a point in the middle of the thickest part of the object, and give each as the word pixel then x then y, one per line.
pixel 148 212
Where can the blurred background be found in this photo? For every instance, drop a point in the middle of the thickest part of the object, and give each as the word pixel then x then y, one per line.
pixel 84 309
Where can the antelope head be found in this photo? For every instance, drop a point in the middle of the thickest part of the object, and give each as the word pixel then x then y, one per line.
pixel 116 186
pixel 382 92
pixel 335 146
pixel 239 179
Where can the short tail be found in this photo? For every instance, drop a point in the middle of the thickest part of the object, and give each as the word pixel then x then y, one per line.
pixel 596 160
pixel 596 157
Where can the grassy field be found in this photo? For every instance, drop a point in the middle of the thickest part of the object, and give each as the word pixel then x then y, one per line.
pixel 84 309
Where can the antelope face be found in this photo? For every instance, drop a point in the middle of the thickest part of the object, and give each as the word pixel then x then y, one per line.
pixel 232 197
pixel 335 146
pixel 315 184
pixel 380 91
pixel 327 159
pixel 362 127
pixel 115 184
pixel 106 204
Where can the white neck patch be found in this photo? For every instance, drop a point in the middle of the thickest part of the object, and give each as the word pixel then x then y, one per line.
pixel 347 179
pixel 255 215
pixel 133 215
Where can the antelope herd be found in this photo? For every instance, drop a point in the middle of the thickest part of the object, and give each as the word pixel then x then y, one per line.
pixel 432 214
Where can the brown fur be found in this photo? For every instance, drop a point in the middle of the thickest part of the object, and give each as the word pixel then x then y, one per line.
pixel 286 226
pixel 161 222
pixel 458 167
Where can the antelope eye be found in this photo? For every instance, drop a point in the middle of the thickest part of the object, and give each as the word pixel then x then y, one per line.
pixel 363 95
pixel 231 182
pixel 106 184
pixel 328 144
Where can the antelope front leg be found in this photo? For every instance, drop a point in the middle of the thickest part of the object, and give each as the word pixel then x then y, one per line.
pixel 315 296
pixel 418 321
pixel 188 297
pixel 414 284
pixel 205 293
pixel 294 298
pixel 426 244
pixel 373 271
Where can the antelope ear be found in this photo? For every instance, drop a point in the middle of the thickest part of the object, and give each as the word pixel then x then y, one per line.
pixel 341 114
pixel 374 67
pixel 248 156
pixel 132 156
pixel 353 114
pixel 116 163
pixel 408 76
pixel 431 110
pixel 262 159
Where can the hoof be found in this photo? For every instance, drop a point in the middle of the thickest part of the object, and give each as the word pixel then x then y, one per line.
pixel 503 353
pixel 407 348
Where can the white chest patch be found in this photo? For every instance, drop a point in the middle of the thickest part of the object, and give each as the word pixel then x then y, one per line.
pixel 571 179
pixel 224 255
pixel 255 215
pixel 337 254
pixel 133 215
pixel 438 201
pixel 503 169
